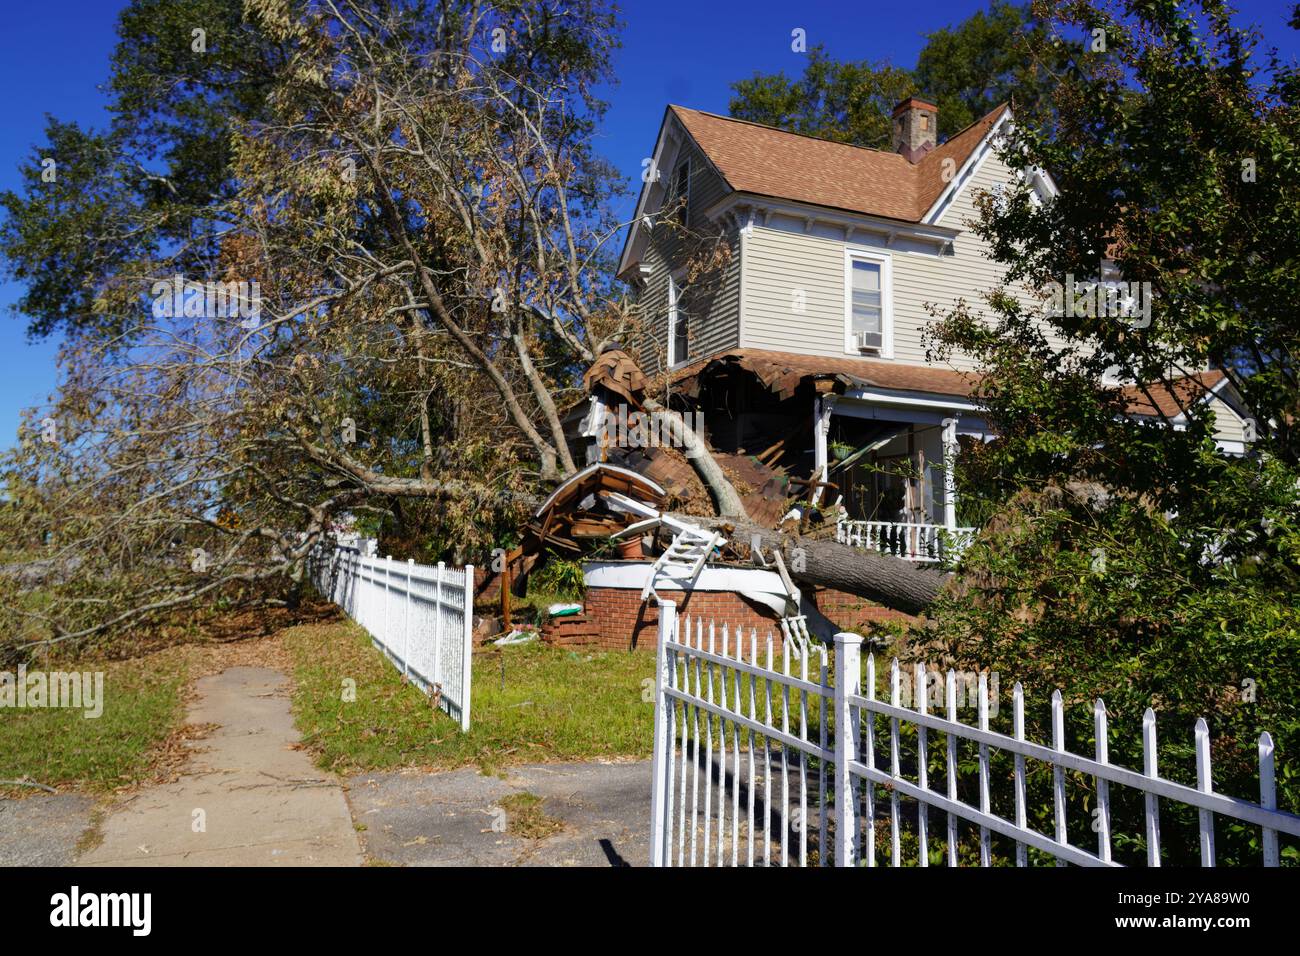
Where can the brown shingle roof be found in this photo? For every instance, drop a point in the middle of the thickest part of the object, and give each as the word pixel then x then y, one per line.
pixel 770 162
pixel 782 371
pixel 1172 400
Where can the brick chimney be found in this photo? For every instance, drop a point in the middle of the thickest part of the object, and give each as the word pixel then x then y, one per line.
pixel 916 130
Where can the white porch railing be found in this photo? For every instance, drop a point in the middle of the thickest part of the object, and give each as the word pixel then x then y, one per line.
pixel 420 617
pixel 760 763
pixel 911 542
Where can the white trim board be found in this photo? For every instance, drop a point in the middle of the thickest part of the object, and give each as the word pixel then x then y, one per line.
pixel 631 575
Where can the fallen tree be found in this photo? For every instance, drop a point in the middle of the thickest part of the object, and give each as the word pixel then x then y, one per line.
pixel 901 585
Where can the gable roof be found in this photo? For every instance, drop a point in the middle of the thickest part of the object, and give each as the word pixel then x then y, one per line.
pixel 1170 401
pixel 767 161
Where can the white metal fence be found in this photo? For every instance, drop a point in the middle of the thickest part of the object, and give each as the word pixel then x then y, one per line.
pixel 421 617
pixel 750 769
pixel 923 543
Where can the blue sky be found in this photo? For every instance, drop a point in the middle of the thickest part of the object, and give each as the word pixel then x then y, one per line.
pixel 55 54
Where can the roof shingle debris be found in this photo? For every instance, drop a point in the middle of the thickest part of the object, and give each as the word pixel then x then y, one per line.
pixel 783 372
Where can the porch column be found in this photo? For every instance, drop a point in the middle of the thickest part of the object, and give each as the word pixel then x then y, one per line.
pixel 822 407
pixel 949 478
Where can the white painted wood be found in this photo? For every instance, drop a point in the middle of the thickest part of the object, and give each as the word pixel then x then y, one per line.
pixel 868 788
pixel 685 817
pixel 803 762
pixel 826 799
pixel 406 619
pixel 986 845
pixel 1018 732
pixel 843 705
pixel 848 648
pixel 768 796
pixel 785 756
pixel 950 449
pixel 753 716
pixel 1100 732
pixel 698 635
pixel 1058 771
pixel 950 698
pixel 708 751
pixel 467 652
pixel 895 850
pixel 910 541
pixel 922 765
pixel 659 761
pixel 406 613
pixel 1205 785
pixel 1268 796
pixel 1152 804
pixel 735 760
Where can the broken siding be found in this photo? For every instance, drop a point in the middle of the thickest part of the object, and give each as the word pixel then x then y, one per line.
pixel 714 313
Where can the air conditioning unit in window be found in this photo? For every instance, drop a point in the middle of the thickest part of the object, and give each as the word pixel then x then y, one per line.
pixel 870 342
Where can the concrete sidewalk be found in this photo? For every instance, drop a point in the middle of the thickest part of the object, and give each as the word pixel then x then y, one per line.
pixel 453 818
pixel 246 797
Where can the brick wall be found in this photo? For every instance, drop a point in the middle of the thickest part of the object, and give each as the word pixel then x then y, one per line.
pixel 487 585
pixel 852 613
pixel 626 622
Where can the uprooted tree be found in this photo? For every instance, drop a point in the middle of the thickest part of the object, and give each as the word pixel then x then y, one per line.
pixel 336 262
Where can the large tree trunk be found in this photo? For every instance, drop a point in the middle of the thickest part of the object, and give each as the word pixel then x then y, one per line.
pixel 902 585
pixel 724 494
pixel 895 583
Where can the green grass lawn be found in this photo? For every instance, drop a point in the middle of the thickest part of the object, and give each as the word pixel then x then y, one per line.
pixel 59 746
pixel 556 704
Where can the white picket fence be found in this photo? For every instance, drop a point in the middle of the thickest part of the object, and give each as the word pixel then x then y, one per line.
pixel 420 617
pixel 740 778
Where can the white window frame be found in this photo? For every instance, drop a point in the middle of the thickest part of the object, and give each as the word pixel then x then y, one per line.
pixel 674 278
pixel 885 261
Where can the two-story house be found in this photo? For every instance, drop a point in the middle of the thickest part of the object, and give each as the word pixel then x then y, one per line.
pixel 785 281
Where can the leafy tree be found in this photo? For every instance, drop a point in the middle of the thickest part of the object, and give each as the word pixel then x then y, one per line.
pixel 989 58
pixel 1132 560
pixel 413 190
pixel 998 55
pixel 844 102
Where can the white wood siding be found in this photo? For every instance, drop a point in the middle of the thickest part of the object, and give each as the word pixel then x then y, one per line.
pixel 788 262
pixel 714 319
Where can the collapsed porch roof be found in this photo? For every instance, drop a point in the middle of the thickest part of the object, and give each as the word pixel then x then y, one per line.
pixel 783 372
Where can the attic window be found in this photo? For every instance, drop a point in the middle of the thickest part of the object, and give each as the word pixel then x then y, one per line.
pixel 679 192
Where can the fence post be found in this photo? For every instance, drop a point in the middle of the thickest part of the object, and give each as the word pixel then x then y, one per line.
pixel 659 765
pixel 848 682
pixel 406 620
pixel 387 639
pixel 437 629
pixel 467 655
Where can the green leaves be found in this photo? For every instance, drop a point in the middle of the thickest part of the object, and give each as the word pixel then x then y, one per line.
pixel 967 70
pixel 1133 560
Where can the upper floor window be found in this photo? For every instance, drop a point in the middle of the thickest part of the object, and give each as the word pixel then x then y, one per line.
pixel 678 197
pixel 678 331
pixel 867 302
